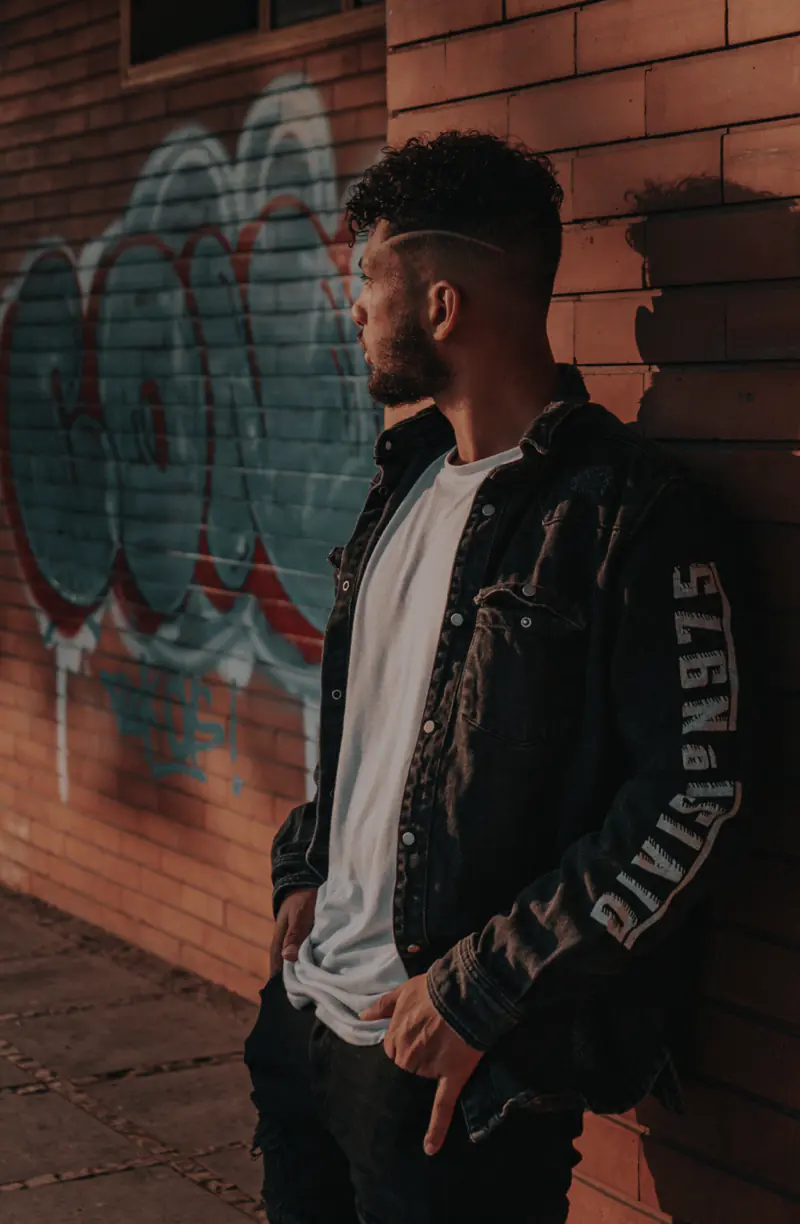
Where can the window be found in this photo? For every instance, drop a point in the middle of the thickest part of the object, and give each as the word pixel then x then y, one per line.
pixel 160 28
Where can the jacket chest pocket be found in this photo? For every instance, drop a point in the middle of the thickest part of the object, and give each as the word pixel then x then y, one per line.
pixel 523 674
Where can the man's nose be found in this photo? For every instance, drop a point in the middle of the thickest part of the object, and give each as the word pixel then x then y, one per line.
pixel 357 312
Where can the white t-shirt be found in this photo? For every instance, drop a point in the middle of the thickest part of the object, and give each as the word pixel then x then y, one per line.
pixel 350 958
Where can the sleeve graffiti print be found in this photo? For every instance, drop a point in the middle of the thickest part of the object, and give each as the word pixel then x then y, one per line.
pixel 686 831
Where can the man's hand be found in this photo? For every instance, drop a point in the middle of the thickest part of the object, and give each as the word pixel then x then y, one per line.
pixel 420 1040
pixel 293 923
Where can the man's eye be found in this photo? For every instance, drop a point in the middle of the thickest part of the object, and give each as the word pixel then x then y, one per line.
pixel 363 277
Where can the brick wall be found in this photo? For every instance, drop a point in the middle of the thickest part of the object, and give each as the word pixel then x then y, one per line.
pixel 671 126
pixel 179 397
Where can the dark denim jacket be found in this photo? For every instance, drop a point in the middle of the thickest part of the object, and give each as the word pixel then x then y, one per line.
pixel 577 781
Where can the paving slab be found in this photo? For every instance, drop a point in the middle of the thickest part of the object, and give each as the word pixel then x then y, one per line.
pixel 11 1075
pixel 24 935
pixel 69 977
pixel 141 1034
pixel 191 1109
pixel 239 1168
pixel 45 1134
pixel 141 1196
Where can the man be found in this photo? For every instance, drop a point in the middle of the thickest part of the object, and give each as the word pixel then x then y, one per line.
pixel 530 767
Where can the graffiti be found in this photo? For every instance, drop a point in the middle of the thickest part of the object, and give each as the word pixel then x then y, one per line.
pixel 186 424
pixel 163 707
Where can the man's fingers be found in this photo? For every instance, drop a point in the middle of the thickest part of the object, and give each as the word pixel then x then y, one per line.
pixel 444 1104
pixel 277 944
pixel 383 1007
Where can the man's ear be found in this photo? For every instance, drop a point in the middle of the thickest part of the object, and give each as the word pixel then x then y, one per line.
pixel 444 309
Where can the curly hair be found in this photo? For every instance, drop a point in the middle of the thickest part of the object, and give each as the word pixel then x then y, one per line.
pixel 469 182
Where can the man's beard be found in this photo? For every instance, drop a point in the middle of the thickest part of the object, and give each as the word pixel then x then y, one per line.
pixel 407 368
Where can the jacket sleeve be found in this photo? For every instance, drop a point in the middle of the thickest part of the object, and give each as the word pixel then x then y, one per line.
pixel 675 826
pixel 291 868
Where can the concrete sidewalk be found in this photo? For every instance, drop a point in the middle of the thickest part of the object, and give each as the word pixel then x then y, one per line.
pixel 123 1099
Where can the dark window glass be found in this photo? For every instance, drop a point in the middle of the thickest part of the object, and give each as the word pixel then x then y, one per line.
pixel 159 27
pixel 292 12
pixel 364 3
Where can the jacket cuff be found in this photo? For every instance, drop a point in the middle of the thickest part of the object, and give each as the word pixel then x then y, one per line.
pixel 469 1000
pixel 288 877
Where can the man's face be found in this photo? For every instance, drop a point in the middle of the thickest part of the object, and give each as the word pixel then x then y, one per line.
pixel 405 364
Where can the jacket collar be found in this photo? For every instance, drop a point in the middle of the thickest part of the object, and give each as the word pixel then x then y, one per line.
pixel 430 431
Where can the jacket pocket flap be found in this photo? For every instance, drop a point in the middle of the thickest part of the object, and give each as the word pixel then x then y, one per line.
pixel 531 595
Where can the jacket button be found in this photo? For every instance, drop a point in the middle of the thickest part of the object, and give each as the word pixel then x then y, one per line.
pixel 408 839
pixel 412 948
pixel 346 585
pixel 488 510
pixel 428 726
pixel 528 588
pixel 456 619
pixel 336 694
pixel 526 622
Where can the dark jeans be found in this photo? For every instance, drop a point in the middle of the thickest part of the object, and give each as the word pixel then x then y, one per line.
pixel 341 1127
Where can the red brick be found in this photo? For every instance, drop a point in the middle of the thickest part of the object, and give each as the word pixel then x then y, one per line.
pixel 13 875
pixel 246 957
pixel 763 322
pixel 747 1055
pixel 521 8
pixel 73 902
pixel 590 1205
pixel 759 485
pixel 254 928
pixel 362 90
pixel 720 1125
pixel 561 329
pixel 619 32
pixel 762 160
pixel 372 55
pixel 774 549
pixel 16 825
pixel 253 834
pixel 414 20
pixel 759 242
pixel 542 49
pixel 339 62
pixel 53 842
pixel 678 1184
pixel 483 114
pixel 732 86
pixel 748 403
pixel 769 908
pixel 646 176
pixel 758 976
pixel 598 257
pixel 783 652
pixel 232 978
pixel 588 110
pixel 201 905
pixel 618 390
pixel 610 1154
pixel 416 76
pixel 651 327
pixel 765 19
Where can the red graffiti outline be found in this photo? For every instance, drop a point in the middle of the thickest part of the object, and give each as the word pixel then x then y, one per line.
pixel 263 582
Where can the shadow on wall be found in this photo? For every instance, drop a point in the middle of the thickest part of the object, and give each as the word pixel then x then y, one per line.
pixel 722 336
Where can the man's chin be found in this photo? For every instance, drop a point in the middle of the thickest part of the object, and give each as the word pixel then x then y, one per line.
pixel 392 394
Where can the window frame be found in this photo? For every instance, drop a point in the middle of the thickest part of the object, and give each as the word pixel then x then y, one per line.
pixel 261 46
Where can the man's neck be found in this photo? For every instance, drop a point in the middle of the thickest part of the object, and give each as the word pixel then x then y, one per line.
pixel 490 414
